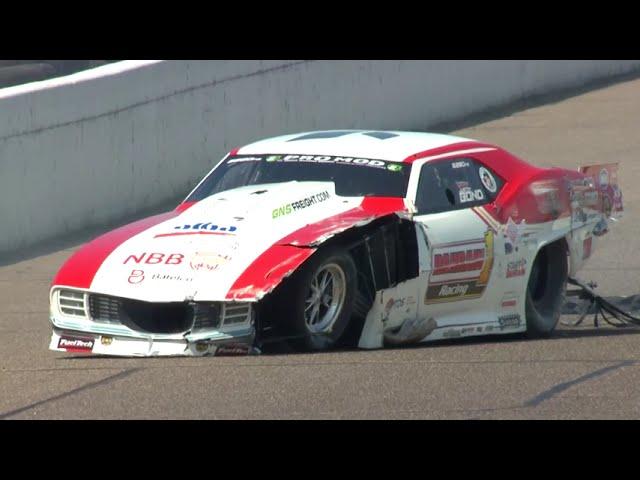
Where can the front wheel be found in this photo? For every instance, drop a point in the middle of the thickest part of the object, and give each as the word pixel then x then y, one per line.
pixel 320 300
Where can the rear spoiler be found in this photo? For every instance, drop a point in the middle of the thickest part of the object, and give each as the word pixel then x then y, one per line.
pixel 605 180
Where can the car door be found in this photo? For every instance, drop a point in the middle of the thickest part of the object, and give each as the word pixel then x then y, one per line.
pixel 457 280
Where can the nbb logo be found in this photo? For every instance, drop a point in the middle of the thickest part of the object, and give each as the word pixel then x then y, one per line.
pixel 156 258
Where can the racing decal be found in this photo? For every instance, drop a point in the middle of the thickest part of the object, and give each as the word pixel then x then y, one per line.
pixel 509 321
pixel 332 159
pixel 200 229
pixel 487 180
pixel 300 204
pixel 136 276
pixel 208 261
pixel 156 258
pixel 516 268
pixel 586 247
pixel 232 349
pixel 468 195
pixel 514 231
pixel 452 333
pixel 461 270
pixel 76 344
pixel 460 164
pixel 509 300
pixel 176 278
pixel 394 304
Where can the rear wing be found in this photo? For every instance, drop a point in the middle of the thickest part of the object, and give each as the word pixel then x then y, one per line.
pixel 605 180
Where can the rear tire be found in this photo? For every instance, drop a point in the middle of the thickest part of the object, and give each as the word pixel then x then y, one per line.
pixel 545 290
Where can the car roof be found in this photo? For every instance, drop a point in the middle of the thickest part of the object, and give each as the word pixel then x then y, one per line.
pixel 376 144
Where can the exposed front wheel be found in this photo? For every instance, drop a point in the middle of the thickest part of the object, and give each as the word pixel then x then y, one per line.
pixel 320 300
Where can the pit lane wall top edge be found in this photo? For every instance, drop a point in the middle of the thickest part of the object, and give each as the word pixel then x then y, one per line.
pixel 97 146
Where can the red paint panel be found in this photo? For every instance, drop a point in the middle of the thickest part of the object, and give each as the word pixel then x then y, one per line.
pixel 268 270
pixel 79 270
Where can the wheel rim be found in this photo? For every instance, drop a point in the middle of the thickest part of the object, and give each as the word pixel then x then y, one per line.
pixel 325 298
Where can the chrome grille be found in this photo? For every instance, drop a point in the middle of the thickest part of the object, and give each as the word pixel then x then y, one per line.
pixel 104 309
pixel 72 303
pixel 158 317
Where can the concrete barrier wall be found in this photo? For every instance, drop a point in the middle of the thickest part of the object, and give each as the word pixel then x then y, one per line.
pixel 94 147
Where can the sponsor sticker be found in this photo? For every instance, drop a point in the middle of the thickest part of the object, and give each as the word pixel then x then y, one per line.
pixel 517 268
pixel 136 276
pixel 587 243
pixel 460 164
pixel 514 231
pixel 510 303
pixel 460 270
pixel 175 278
pixel 155 258
pixel 232 349
pixel 208 261
pixel 468 195
pixel 332 159
pixel 203 228
pixel 509 321
pixel 76 344
pixel 451 333
pixel 300 204
pixel 487 180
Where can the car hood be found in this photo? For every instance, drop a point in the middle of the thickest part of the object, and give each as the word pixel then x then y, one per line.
pixel 238 244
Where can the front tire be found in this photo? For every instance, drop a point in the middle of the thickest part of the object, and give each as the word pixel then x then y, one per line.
pixel 320 300
pixel 545 290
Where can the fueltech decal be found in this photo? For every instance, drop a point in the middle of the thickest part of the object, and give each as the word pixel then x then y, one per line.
pixel 460 270
pixel 74 344
pixel 300 204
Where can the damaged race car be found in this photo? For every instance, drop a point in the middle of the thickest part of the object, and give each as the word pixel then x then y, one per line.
pixel 323 239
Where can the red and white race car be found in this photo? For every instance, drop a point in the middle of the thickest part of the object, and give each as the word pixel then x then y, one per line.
pixel 324 238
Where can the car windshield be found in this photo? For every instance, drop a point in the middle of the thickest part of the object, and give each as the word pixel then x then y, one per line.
pixel 353 177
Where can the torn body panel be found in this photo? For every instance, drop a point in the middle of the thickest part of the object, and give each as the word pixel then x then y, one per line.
pixel 283 258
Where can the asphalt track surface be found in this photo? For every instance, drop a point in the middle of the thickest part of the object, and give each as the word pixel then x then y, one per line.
pixel 579 373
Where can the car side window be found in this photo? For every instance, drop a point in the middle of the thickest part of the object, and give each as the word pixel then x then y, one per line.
pixel 455 184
